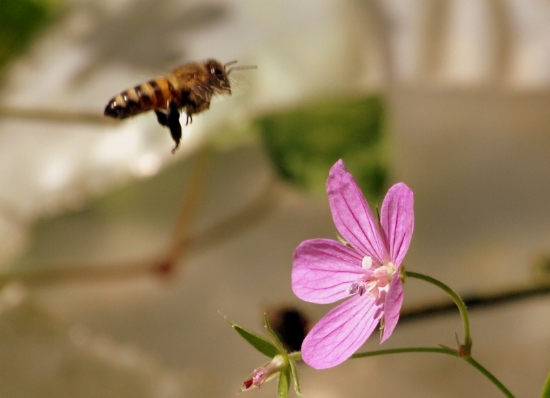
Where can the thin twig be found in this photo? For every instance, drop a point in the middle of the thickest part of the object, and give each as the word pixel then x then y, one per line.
pixel 477 301
pixel 52 115
pixel 250 216
pixel 190 206
pixel 181 240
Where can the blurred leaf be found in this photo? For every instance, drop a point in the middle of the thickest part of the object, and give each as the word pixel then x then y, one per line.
pixel 20 21
pixel 546 389
pixel 305 142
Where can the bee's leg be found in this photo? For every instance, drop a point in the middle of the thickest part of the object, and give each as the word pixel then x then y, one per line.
pixel 162 118
pixel 173 123
pixel 189 118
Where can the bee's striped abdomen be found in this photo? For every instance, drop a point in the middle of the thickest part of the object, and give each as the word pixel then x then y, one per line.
pixel 147 96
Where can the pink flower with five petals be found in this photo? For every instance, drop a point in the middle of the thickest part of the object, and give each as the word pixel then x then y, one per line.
pixel 365 270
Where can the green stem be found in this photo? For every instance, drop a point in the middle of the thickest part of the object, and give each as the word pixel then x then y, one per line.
pixel 440 350
pixel 295 356
pixel 458 301
pixel 489 375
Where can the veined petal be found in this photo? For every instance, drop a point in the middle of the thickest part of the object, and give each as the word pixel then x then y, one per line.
pixel 392 306
pixel 341 332
pixel 352 215
pixel 397 221
pixel 323 270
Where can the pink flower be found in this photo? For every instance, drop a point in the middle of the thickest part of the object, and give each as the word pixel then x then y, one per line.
pixel 365 270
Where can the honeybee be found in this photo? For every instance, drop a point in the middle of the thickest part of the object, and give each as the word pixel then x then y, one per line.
pixel 189 87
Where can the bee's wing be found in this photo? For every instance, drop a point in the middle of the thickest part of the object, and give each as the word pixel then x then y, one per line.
pixel 203 91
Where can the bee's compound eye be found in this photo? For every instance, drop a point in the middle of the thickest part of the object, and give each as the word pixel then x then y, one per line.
pixel 217 72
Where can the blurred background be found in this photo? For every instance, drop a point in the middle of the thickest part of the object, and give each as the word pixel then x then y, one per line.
pixel 118 259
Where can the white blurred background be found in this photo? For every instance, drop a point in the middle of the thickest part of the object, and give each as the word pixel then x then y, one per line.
pixel 88 207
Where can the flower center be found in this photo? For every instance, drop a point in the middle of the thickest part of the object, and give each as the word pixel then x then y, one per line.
pixel 375 281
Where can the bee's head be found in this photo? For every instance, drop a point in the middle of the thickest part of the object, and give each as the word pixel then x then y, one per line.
pixel 220 81
pixel 220 73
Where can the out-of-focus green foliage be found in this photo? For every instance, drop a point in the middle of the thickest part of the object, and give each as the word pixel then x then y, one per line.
pixel 20 21
pixel 546 389
pixel 305 142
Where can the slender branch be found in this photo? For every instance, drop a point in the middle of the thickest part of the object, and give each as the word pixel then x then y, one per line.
pixel 190 206
pixel 475 302
pixel 181 239
pixel 53 115
pixel 250 216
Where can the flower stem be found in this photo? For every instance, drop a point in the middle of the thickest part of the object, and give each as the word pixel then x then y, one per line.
pixel 464 350
pixel 459 303
pixel 440 350
pixel 489 375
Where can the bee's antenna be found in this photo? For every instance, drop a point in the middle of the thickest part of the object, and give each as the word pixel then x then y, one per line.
pixel 229 63
pixel 240 67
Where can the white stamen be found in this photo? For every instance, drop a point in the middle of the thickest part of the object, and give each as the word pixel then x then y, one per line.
pixel 367 262
pixel 375 283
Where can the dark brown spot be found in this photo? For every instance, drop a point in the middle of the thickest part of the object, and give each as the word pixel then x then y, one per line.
pixel 146 100
pixel 159 96
pixel 290 325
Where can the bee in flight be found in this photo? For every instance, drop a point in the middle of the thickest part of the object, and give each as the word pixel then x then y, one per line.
pixel 189 87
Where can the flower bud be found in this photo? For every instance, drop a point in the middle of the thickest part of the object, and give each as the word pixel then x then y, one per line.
pixel 266 372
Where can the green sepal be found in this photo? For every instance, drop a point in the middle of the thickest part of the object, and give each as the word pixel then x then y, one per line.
pixel 273 336
pixel 284 384
pixel 255 340
pixel 294 370
pixel 546 389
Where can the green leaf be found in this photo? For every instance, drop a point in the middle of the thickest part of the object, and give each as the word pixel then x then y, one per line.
pixel 284 384
pixel 258 342
pixel 546 389
pixel 276 342
pixel 305 142
pixel 294 370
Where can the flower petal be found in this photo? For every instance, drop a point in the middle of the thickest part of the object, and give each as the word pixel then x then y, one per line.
pixel 341 332
pixel 392 307
pixel 352 215
pixel 397 221
pixel 323 270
